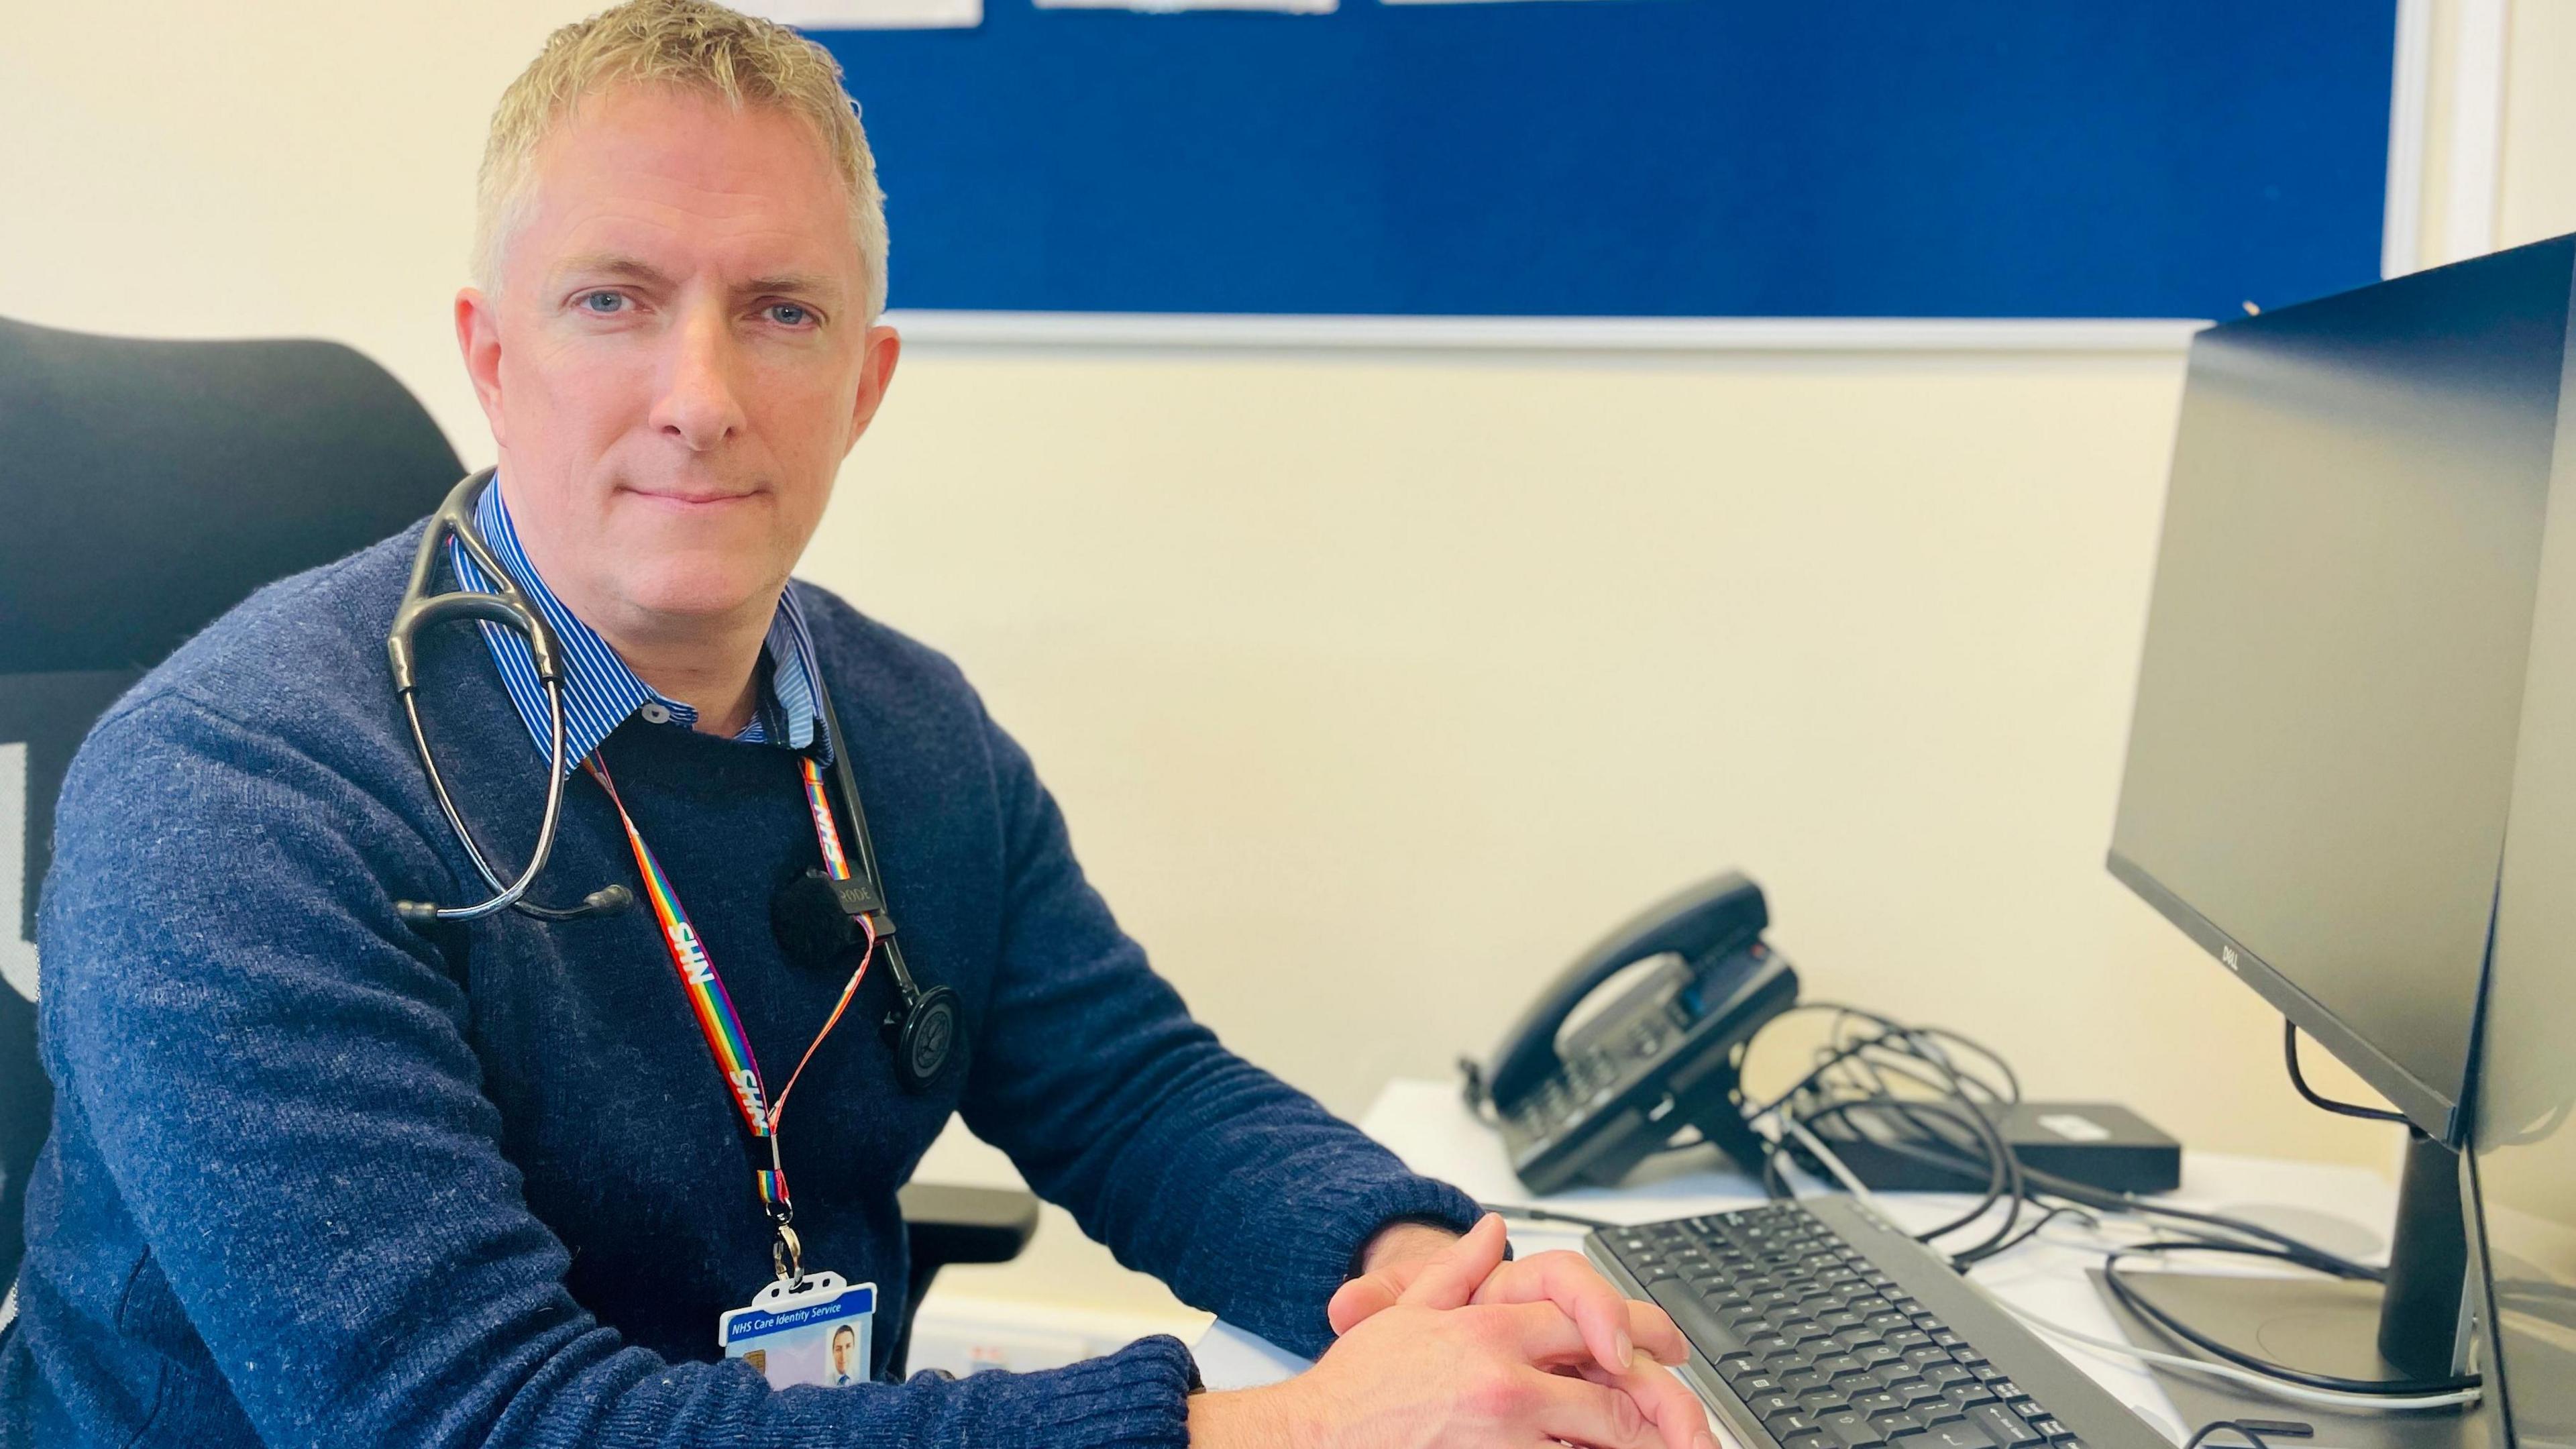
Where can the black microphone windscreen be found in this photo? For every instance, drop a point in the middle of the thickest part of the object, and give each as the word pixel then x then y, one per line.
pixel 806 917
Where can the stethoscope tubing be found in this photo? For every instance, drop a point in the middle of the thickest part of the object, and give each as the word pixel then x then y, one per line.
pixel 506 893
pixel 924 1033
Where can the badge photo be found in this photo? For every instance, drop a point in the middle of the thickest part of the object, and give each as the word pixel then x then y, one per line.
pixel 816 1335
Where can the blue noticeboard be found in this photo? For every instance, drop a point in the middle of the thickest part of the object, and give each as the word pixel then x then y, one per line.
pixel 1830 158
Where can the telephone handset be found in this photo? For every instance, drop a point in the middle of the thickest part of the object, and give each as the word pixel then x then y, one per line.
pixel 1661 1057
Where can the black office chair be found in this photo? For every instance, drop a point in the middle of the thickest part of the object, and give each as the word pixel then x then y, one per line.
pixel 146 487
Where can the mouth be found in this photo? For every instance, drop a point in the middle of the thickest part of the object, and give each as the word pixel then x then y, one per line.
pixel 686 500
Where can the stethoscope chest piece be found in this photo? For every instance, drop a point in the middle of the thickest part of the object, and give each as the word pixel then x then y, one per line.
pixel 924 1036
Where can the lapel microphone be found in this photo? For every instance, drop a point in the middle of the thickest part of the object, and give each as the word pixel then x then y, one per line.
pixel 805 916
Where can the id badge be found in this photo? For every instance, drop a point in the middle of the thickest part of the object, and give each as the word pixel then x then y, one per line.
pixel 818 1335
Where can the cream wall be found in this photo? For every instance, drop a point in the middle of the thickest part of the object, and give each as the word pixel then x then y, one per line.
pixel 1374 684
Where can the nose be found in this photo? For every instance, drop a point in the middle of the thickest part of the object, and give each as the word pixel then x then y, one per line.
pixel 700 405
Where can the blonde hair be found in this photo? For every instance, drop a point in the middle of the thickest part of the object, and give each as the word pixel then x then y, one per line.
pixel 692 44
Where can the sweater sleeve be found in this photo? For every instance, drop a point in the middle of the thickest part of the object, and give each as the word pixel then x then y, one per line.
pixel 1239 1191
pixel 274 1071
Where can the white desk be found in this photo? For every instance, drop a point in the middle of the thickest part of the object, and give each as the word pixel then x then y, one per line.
pixel 1427 1125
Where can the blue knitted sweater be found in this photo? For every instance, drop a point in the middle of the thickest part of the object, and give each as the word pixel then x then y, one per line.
pixel 317 1179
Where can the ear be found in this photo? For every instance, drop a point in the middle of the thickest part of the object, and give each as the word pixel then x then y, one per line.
pixel 478 337
pixel 876 373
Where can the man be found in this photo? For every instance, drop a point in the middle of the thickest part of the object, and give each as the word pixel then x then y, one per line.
pixel 319 1176
pixel 845 1341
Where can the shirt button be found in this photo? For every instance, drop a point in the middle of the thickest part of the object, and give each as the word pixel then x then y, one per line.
pixel 655 714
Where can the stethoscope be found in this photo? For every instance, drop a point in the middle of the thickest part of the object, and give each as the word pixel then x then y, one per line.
pixel 813 914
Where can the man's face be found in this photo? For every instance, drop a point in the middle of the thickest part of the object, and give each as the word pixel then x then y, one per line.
pixel 675 362
pixel 841 1343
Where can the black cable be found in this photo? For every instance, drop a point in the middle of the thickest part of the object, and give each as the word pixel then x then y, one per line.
pixel 1995 1181
pixel 2108 1200
pixel 2252 1429
pixel 2063 1210
pixel 2003 1171
pixel 1548 1215
pixel 1916 1043
pixel 2012 1081
pixel 2132 1300
pixel 2298 1079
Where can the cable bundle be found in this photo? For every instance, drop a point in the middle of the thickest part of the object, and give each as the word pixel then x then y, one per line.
pixel 1933 1090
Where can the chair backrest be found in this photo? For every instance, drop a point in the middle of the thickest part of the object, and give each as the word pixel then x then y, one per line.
pixel 146 487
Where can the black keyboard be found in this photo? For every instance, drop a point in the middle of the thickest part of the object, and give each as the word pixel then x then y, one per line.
pixel 1815 1325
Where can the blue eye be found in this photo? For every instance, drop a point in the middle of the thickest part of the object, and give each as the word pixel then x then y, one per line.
pixel 602 304
pixel 788 314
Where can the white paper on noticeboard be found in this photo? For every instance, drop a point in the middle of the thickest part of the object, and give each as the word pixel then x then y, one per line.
pixel 871 14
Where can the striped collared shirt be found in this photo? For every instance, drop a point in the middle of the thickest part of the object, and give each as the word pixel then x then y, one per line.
pixel 600 691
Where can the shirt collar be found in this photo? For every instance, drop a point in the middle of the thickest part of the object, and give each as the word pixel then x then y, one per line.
pixel 600 691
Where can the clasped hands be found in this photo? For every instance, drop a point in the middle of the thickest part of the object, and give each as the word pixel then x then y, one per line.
pixel 1443 1343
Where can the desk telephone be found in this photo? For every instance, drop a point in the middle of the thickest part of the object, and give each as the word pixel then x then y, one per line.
pixel 1662 1057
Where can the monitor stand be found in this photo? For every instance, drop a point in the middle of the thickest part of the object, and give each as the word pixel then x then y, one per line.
pixel 2411 1328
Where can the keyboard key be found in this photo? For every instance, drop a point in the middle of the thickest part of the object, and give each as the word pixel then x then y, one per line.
pixel 1851 1431
pixel 1964 1395
pixel 1956 1434
pixel 1713 1339
pixel 1875 1402
pixel 1765 1405
pixel 2004 1427
pixel 1785 1425
pixel 1893 1377
pixel 1897 1424
pixel 1818 1402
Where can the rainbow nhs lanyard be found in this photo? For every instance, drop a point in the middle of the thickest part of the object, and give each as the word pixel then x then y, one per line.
pixel 713 1007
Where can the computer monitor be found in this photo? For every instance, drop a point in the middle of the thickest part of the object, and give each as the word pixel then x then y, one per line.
pixel 2323 746
pixel 2523 1118
pixel 2323 756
